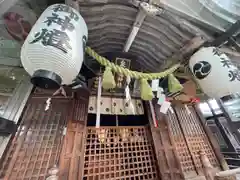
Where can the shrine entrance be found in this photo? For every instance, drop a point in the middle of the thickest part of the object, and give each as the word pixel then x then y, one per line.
pixel 124 151
pixel 124 147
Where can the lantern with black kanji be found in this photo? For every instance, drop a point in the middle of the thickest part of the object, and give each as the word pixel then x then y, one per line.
pixel 215 73
pixel 53 52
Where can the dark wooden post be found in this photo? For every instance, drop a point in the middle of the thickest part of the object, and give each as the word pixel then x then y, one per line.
pixel 233 126
pixel 72 155
pixel 212 140
pixel 221 128
pixel 165 149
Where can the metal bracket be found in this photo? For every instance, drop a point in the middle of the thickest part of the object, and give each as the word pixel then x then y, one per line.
pixel 151 9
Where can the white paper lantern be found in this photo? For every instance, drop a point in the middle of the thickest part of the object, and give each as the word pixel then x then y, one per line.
pixel 53 52
pixel 215 73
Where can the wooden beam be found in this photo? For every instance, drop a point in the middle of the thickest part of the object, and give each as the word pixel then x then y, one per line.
pixel 197 42
pixel 234 43
pixel 183 75
pixel 224 37
pixel 212 140
pixel 229 51
pixel 135 28
pixel 186 51
pixel 190 47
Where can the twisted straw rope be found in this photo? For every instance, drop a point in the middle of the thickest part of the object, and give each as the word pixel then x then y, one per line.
pixel 133 74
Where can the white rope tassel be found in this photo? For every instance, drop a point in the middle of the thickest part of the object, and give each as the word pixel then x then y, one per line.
pixel 99 92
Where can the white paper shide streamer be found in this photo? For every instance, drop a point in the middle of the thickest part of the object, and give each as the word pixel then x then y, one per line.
pixel 99 93
pixel 128 96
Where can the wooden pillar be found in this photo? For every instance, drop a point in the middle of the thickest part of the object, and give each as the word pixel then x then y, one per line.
pixel 15 108
pixel 212 140
pixel 220 126
pixel 167 158
pixel 72 155
pixel 229 118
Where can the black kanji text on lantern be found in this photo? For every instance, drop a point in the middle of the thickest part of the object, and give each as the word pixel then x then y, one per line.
pixel 64 23
pixel 217 52
pixel 67 9
pixel 54 38
pixel 234 75
pixel 226 63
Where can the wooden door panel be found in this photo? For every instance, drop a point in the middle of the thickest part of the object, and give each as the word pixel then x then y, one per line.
pixel 37 144
pixel 72 156
pixel 195 136
pixel 167 158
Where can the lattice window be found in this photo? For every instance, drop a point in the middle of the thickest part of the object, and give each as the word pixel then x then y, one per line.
pixel 195 136
pixel 119 153
pixel 37 144
pixel 181 146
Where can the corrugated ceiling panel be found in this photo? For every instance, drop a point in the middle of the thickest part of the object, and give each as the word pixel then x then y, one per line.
pixel 110 24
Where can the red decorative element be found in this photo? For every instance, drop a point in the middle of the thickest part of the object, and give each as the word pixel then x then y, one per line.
pixel 16 25
pixel 167 99
pixel 195 100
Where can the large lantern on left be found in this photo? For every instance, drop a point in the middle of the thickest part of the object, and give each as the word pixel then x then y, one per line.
pixel 53 52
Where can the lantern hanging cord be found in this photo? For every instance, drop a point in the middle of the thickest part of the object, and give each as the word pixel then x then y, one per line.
pixel 133 74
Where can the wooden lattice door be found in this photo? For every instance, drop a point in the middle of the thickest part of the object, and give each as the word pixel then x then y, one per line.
pixel 71 160
pixel 178 140
pixel 119 153
pixel 168 162
pixel 37 144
